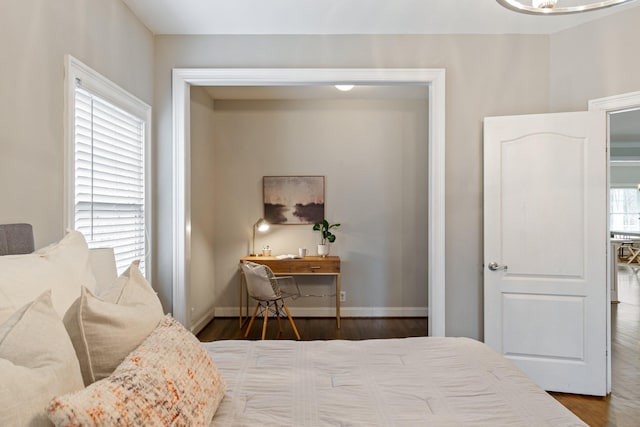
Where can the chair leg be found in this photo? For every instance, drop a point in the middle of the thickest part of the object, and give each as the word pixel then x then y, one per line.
pixel 278 317
pixel 293 325
pixel 264 322
pixel 253 317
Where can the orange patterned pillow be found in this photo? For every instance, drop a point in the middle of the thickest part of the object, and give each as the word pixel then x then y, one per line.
pixel 168 380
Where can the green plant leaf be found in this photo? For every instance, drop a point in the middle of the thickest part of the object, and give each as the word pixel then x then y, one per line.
pixel 324 227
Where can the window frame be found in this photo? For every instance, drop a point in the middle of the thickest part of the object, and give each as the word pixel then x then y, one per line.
pixel 106 89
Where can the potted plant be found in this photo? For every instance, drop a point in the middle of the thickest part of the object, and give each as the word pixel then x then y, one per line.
pixel 327 236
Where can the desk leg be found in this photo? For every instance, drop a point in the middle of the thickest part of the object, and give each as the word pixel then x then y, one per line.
pixel 338 299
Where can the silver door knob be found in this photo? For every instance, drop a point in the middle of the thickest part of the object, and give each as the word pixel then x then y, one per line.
pixel 493 266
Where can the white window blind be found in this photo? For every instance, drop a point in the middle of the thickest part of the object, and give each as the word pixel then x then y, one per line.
pixel 109 198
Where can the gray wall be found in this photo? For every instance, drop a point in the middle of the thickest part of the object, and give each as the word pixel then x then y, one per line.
pixel 203 218
pixel 626 174
pixel 35 35
pixel 373 155
pixel 486 76
pixel 595 60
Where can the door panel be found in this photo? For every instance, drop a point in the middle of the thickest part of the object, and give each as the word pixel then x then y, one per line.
pixel 545 337
pixel 530 177
pixel 545 220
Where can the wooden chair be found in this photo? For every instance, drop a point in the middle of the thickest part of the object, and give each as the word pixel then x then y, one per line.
pixel 264 287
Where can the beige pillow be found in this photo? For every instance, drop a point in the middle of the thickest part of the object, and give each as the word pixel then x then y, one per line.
pixel 37 362
pixel 105 329
pixel 62 267
pixel 169 379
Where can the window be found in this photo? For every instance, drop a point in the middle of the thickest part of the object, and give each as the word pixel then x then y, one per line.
pixel 624 209
pixel 108 136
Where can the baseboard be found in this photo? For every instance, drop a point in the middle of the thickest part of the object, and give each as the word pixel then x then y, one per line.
pixel 199 325
pixel 344 311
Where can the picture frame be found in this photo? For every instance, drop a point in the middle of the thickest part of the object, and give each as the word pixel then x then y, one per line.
pixel 293 200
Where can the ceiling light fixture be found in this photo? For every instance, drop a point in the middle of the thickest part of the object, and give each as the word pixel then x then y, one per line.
pixel 544 3
pixel 344 88
pixel 548 7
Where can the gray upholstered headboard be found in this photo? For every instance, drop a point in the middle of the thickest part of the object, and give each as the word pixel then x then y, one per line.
pixel 16 239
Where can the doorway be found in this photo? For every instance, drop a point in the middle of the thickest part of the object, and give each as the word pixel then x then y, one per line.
pixel 183 79
pixel 624 223
pixel 624 194
pixel 614 106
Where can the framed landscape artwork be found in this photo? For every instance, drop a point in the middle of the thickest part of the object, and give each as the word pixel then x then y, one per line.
pixel 293 200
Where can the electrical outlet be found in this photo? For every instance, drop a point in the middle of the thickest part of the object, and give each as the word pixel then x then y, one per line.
pixel 343 296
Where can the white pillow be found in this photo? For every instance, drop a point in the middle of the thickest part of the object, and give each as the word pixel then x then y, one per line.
pixel 105 329
pixel 62 267
pixel 169 380
pixel 37 363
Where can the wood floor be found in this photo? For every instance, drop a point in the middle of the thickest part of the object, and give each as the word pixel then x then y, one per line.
pixel 314 328
pixel 620 409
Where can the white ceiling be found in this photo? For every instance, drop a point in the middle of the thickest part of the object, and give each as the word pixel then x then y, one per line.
pixel 350 17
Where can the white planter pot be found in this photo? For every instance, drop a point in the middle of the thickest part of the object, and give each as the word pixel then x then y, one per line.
pixel 323 250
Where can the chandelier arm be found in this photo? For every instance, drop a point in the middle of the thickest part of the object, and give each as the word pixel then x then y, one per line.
pixel 518 6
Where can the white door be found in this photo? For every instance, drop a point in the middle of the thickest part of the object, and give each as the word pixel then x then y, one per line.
pixel 545 247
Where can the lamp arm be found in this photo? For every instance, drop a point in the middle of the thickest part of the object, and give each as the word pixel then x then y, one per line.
pixel 253 241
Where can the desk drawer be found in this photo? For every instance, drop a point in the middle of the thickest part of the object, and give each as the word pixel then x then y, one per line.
pixel 310 267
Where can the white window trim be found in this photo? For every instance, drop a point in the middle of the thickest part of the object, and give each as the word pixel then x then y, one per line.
pixel 105 88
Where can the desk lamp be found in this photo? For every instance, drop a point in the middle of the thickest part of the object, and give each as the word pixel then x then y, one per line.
pixel 262 225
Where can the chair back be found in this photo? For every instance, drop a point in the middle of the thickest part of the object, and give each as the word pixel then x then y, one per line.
pixel 260 280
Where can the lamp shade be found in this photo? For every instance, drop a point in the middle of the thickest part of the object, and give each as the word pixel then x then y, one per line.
pixel 262 225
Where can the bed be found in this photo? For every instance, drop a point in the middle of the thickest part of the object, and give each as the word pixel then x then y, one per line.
pixel 392 382
pixel 427 381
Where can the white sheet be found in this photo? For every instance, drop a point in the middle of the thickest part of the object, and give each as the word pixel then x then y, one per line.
pixel 393 382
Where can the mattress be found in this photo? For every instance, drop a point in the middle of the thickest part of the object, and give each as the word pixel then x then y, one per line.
pixel 387 382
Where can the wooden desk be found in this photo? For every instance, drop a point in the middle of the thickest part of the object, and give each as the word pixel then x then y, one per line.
pixel 307 266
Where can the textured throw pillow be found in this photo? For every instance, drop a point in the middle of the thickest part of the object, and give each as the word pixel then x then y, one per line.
pixel 105 329
pixel 37 363
pixel 62 267
pixel 169 380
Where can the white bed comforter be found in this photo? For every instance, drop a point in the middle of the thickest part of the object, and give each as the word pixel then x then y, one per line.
pixel 391 382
